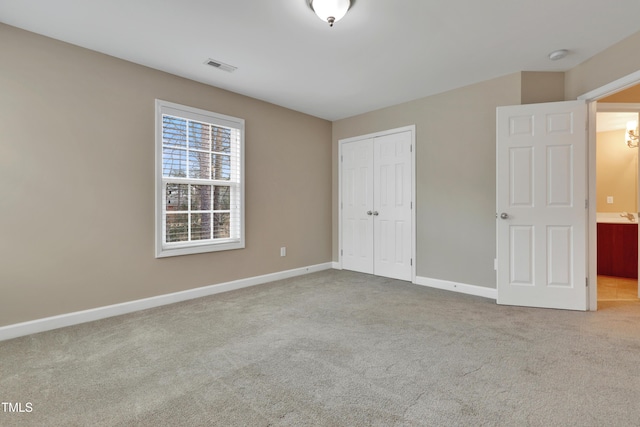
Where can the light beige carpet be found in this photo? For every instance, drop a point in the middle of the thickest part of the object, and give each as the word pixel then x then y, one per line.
pixel 332 349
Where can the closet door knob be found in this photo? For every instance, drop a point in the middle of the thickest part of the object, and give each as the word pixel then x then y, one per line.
pixel 369 213
pixel 375 213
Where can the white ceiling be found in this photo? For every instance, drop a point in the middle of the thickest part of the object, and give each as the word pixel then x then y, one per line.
pixel 606 122
pixel 383 52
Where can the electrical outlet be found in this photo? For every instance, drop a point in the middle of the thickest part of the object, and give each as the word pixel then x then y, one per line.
pixel 610 200
pixel 283 251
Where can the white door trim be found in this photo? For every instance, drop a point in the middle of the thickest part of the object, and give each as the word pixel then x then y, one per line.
pixel 341 142
pixel 591 98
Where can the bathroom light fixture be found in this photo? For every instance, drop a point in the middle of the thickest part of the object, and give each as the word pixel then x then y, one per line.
pixel 558 54
pixel 632 134
pixel 330 10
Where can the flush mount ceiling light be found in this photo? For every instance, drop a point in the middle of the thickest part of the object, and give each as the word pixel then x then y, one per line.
pixel 558 54
pixel 330 10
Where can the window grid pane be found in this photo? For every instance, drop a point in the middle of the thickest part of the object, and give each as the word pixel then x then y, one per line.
pixel 206 152
pixel 177 197
pixel 174 162
pixel 174 131
pixel 201 173
pixel 196 212
pixel 200 226
pixel 221 139
pixel 199 136
pixel 199 165
pixel 221 167
pixel 222 225
pixel 221 198
pixel 201 197
pixel 177 227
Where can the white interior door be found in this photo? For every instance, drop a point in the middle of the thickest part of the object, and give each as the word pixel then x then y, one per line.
pixel 357 206
pixel 392 205
pixel 541 205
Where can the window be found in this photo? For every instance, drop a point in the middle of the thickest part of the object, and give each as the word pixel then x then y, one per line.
pixel 199 181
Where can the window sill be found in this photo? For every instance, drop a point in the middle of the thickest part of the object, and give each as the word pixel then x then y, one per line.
pixel 177 250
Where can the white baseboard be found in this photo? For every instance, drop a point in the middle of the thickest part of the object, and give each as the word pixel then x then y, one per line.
pixel 462 288
pixel 336 266
pixel 75 318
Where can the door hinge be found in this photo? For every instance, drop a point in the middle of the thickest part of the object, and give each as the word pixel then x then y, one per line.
pixel 586 282
pixel 586 204
pixel 340 252
pixel 410 205
pixel 342 158
pixel 410 261
pixel 411 148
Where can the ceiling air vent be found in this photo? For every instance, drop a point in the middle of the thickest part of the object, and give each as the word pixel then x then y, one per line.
pixel 221 65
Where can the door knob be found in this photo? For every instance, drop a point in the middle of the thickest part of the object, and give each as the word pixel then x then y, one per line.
pixel 369 213
pixel 504 215
pixel 375 213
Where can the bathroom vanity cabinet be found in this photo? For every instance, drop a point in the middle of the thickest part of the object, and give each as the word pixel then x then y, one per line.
pixel 618 250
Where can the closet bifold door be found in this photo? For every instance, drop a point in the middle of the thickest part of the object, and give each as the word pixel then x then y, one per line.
pixel 376 205
pixel 392 206
pixel 357 206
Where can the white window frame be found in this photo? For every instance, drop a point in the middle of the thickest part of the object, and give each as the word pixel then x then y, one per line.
pixel 164 249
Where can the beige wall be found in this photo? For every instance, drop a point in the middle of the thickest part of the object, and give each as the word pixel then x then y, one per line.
pixel 616 173
pixel 77 163
pixel 76 157
pixel 542 87
pixel 455 173
pixel 630 95
pixel 609 65
pixel 617 164
pixel 456 158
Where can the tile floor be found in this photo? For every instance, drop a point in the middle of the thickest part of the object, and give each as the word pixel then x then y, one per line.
pixel 617 289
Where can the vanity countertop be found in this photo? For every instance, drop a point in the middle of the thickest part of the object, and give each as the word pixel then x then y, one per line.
pixel 616 218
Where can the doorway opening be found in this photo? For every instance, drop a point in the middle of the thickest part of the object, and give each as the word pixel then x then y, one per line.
pixel 617 197
pixel 622 95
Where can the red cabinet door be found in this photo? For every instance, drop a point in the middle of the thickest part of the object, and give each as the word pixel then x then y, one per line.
pixel 618 250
